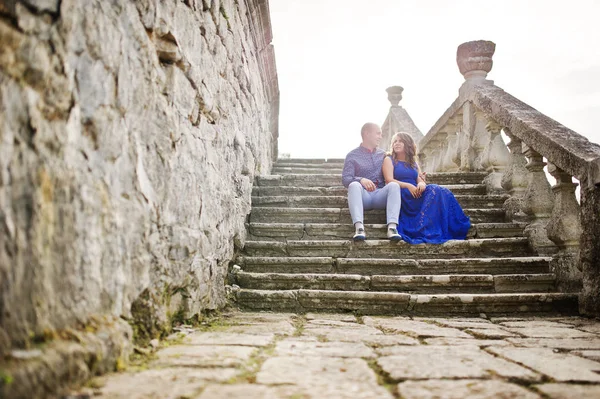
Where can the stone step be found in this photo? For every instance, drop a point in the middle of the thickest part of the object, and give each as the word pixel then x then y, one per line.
pixel 341 201
pixel 391 267
pixel 323 231
pixel 370 302
pixel 486 247
pixel 267 191
pixel 342 215
pixel 332 179
pixel 294 170
pixel 309 161
pixel 428 284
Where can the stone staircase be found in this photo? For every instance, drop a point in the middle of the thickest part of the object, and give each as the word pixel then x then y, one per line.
pixel 299 255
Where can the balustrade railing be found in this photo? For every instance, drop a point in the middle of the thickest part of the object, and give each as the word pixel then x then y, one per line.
pixel 467 137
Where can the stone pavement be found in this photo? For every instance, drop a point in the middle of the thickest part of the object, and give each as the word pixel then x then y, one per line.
pixel 275 355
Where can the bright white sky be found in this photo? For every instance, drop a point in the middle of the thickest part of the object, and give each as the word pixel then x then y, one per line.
pixel 335 58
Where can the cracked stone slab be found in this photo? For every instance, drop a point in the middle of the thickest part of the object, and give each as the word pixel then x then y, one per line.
pixel 323 376
pixel 267 328
pixel 589 354
pixel 418 328
pixel 170 383
pixel 203 356
pixel 567 344
pixel 551 332
pixel 569 391
pixel 535 324
pixel 292 347
pixel 472 389
pixel 334 323
pixel 226 338
pixel 254 391
pixel 257 317
pixel 475 323
pixel 492 333
pixel 448 362
pixel 319 317
pixel 462 341
pixel 353 334
pixel 561 367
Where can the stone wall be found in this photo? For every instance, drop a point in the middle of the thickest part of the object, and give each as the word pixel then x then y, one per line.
pixel 130 134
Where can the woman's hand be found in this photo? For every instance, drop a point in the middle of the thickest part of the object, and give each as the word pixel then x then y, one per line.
pixel 421 187
pixel 413 190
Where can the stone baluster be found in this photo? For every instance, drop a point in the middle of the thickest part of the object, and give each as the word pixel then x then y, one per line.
pixel 440 151
pixel 495 159
pixel 480 140
pixel 422 160
pixel 538 203
pixel 448 163
pixel 515 180
pixel 467 156
pixel 564 229
pixel 458 124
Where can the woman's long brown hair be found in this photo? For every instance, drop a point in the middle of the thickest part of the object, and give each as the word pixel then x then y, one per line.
pixel 410 148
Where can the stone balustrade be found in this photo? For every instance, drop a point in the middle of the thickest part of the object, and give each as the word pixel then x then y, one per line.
pixel 468 137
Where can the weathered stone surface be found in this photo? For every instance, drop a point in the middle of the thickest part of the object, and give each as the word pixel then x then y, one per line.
pixel 203 356
pixel 436 362
pixel 551 332
pixel 415 328
pixel 131 134
pixel 534 324
pixel 348 334
pixel 592 355
pixel 278 328
pixel 472 389
pixel 169 383
pixel 228 338
pixel 292 347
pixel 254 391
pixel 568 391
pixel 460 323
pixel 482 343
pixel 557 343
pixel 63 363
pixel 487 333
pixel 320 318
pixel 324 376
pixel 559 366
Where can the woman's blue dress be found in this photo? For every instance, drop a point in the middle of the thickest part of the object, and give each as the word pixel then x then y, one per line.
pixel 434 218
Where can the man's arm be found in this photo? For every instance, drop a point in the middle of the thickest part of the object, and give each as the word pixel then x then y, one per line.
pixel 348 173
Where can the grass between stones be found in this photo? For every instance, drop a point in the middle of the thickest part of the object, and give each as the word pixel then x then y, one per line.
pixel 299 321
pixel 383 378
pixel 250 369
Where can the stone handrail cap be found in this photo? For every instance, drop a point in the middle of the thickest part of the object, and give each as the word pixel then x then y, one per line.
pixel 475 58
pixel 395 94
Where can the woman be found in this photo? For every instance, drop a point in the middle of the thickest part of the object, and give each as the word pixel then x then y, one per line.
pixel 429 213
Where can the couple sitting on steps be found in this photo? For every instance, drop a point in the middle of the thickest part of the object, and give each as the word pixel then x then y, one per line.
pixel 416 212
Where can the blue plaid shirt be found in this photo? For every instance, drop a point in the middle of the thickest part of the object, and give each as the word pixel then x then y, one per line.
pixel 362 162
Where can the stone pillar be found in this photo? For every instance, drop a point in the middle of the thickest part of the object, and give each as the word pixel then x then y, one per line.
pixel 538 204
pixel 515 180
pixel 495 159
pixel 589 299
pixel 390 127
pixel 564 229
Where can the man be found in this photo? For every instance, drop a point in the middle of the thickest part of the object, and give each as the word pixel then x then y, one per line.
pixel 363 177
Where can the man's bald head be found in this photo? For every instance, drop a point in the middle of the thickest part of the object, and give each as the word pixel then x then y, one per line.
pixel 371 135
pixel 367 128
